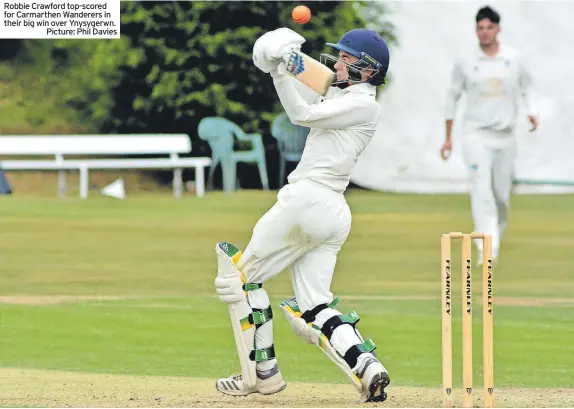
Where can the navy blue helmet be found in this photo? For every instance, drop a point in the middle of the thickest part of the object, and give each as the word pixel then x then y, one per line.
pixel 370 48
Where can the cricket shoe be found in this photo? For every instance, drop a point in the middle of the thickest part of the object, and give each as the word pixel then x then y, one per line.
pixel 375 379
pixel 268 382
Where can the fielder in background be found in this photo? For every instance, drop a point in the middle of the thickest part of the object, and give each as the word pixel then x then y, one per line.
pixel 309 223
pixel 495 78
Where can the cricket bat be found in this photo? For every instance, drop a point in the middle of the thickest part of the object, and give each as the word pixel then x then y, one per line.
pixel 310 72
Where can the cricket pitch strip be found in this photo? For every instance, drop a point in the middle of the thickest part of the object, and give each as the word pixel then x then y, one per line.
pixel 45 388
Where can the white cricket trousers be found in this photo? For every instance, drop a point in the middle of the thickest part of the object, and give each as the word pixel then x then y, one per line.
pixel 490 161
pixel 304 232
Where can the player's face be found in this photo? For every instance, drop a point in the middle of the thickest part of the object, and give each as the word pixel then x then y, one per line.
pixel 486 31
pixel 341 67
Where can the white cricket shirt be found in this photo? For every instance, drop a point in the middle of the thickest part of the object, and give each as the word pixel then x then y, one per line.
pixel 494 87
pixel 342 124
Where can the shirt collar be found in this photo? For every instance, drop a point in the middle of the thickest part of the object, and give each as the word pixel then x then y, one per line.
pixel 362 88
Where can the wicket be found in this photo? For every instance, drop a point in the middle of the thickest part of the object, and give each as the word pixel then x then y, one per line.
pixel 487 318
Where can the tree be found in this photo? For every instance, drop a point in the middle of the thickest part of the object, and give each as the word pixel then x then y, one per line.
pixel 195 61
pixel 78 74
pixel 180 61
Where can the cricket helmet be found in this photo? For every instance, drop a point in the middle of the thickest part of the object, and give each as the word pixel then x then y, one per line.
pixel 371 50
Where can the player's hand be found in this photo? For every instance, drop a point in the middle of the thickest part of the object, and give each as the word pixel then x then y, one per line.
pixel 282 42
pixel 260 58
pixel 445 150
pixel 271 48
pixel 533 121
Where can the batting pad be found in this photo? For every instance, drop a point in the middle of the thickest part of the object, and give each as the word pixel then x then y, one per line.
pixel 313 335
pixel 243 331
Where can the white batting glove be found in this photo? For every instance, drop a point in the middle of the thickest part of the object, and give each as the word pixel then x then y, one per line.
pixel 229 289
pixel 270 50
pixel 282 41
pixel 260 58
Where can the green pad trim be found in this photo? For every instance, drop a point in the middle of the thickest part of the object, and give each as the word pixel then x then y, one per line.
pixel 252 286
pixel 229 249
pixel 367 346
pixel 350 318
pixel 257 318
pixel 263 354
pixel 291 303
pixel 333 303
pixel 337 320
pixel 353 353
pixel 261 317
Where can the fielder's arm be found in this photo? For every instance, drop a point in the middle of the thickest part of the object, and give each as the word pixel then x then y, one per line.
pixel 454 93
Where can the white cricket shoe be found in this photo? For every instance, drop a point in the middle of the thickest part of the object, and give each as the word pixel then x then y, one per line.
pixel 268 382
pixel 375 379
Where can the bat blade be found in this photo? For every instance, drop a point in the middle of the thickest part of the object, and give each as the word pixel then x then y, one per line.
pixel 310 72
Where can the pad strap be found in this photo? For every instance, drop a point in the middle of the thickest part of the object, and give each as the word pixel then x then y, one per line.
pixel 311 315
pixel 263 354
pixel 252 286
pixel 258 317
pixel 353 353
pixel 332 323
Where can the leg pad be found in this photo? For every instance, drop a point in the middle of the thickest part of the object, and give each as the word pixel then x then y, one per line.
pixel 232 289
pixel 314 335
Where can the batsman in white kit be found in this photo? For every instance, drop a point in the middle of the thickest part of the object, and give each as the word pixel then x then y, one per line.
pixel 495 78
pixel 309 223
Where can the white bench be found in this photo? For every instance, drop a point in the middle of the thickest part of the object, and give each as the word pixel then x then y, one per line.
pixel 64 146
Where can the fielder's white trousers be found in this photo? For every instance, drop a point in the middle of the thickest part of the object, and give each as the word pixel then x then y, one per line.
pixel 490 161
pixel 303 232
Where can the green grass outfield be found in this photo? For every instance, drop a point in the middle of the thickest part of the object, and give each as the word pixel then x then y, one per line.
pixel 151 261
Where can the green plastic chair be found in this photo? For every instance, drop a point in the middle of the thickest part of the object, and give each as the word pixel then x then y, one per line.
pixel 290 142
pixel 222 134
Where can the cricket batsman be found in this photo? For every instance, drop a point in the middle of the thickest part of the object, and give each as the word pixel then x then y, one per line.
pixel 310 221
pixel 495 79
